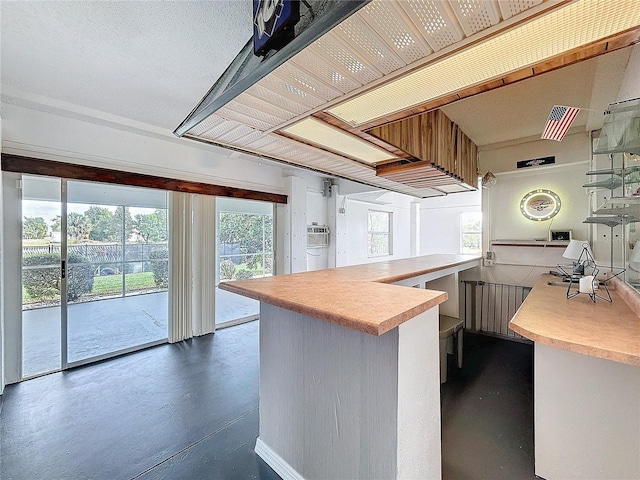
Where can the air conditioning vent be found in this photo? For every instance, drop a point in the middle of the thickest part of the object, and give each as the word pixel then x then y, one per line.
pixel 317 236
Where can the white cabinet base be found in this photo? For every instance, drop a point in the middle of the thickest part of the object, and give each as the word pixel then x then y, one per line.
pixel 339 403
pixel 587 417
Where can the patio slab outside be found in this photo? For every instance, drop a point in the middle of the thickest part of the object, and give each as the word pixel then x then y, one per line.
pixel 105 326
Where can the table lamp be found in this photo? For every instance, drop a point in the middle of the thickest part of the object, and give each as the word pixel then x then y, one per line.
pixel 580 251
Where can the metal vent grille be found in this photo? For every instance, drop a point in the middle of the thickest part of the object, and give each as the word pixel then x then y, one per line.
pixel 260 92
pixel 293 94
pixel 510 8
pixel 359 36
pixel 387 20
pixel 220 129
pixel 236 133
pixel 255 113
pixel 325 72
pixel 207 124
pixel 434 21
pixel 475 15
pixel 229 114
pixel 260 106
pixel 331 47
pixel 302 80
pixel 247 139
pixel 261 143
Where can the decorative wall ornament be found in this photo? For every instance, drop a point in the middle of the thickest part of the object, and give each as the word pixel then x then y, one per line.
pixel 539 205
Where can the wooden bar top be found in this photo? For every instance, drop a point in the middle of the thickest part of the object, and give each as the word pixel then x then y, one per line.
pixel 357 297
pixel 604 330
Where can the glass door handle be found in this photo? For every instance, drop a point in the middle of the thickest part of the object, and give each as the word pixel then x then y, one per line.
pixel 63 269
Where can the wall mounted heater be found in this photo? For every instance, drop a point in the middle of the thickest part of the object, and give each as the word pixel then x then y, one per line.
pixel 317 235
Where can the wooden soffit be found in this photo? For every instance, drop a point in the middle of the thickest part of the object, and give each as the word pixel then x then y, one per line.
pixel 446 155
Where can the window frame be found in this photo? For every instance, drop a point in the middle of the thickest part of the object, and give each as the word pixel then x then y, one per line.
pixel 388 234
pixel 464 232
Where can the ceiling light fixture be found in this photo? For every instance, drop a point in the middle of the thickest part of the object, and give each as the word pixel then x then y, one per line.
pixel 547 36
pixel 488 180
pixel 331 138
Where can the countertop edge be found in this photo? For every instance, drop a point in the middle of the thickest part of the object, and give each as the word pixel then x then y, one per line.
pixel 344 320
pixel 591 350
pixel 383 311
pixel 424 271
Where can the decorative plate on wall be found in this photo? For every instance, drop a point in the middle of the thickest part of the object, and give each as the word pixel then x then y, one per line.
pixel 539 205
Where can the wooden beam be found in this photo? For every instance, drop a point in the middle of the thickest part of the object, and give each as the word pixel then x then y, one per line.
pixel 38 166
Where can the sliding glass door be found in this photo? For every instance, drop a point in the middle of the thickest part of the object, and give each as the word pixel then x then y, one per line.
pixel 41 297
pixel 107 265
pixel 245 240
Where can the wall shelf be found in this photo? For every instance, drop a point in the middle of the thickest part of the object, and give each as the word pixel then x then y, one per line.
pixel 624 200
pixel 611 220
pixel 530 243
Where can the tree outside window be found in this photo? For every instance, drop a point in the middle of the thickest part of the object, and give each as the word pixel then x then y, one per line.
pixel 379 233
pixel 471 232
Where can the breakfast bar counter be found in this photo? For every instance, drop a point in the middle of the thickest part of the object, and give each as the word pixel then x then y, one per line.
pixel 601 329
pixel 349 368
pixel 360 297
pixel 586 382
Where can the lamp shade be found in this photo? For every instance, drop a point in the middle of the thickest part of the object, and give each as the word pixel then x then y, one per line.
pixel 575 248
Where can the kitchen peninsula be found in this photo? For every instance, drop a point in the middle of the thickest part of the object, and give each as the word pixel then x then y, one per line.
pixel 586 382
pixel 349 367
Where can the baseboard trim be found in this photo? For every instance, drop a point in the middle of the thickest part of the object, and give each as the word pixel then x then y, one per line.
pixel 276 462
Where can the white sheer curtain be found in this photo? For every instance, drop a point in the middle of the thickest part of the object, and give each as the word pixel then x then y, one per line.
pixel 192 239
pixel 204 264
pixel 180 266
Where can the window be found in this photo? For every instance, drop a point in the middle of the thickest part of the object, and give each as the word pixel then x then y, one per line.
pixel 471 232
pixel 379 233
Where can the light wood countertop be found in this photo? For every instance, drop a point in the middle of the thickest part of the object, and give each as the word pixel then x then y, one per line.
pixel 358 296
pixel 604 330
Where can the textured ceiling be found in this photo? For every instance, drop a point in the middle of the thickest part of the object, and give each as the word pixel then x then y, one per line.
pixel 136 59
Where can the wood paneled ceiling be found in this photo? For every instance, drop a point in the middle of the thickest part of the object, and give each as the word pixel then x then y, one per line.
pixel 395 49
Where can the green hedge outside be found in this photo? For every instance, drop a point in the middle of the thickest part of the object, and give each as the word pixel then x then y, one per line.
pixel 43 280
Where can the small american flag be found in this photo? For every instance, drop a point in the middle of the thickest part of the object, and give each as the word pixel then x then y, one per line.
pixel 559 122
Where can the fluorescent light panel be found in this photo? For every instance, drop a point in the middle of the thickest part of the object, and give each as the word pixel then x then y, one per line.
pixel 453 188
pixel 561 30
pixel 319 133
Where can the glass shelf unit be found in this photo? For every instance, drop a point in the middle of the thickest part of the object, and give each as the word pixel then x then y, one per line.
pixel 614 185
pixel 621 130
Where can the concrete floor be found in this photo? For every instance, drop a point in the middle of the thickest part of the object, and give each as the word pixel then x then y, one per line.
pixel 106 326
pixel 189 411
pixel 487 412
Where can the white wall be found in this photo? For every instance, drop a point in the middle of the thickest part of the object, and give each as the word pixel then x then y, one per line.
pixel 440 229
pixel 630 85
pixel 502 219
pixel 503 157
pixel 357 207
pixel 43 134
